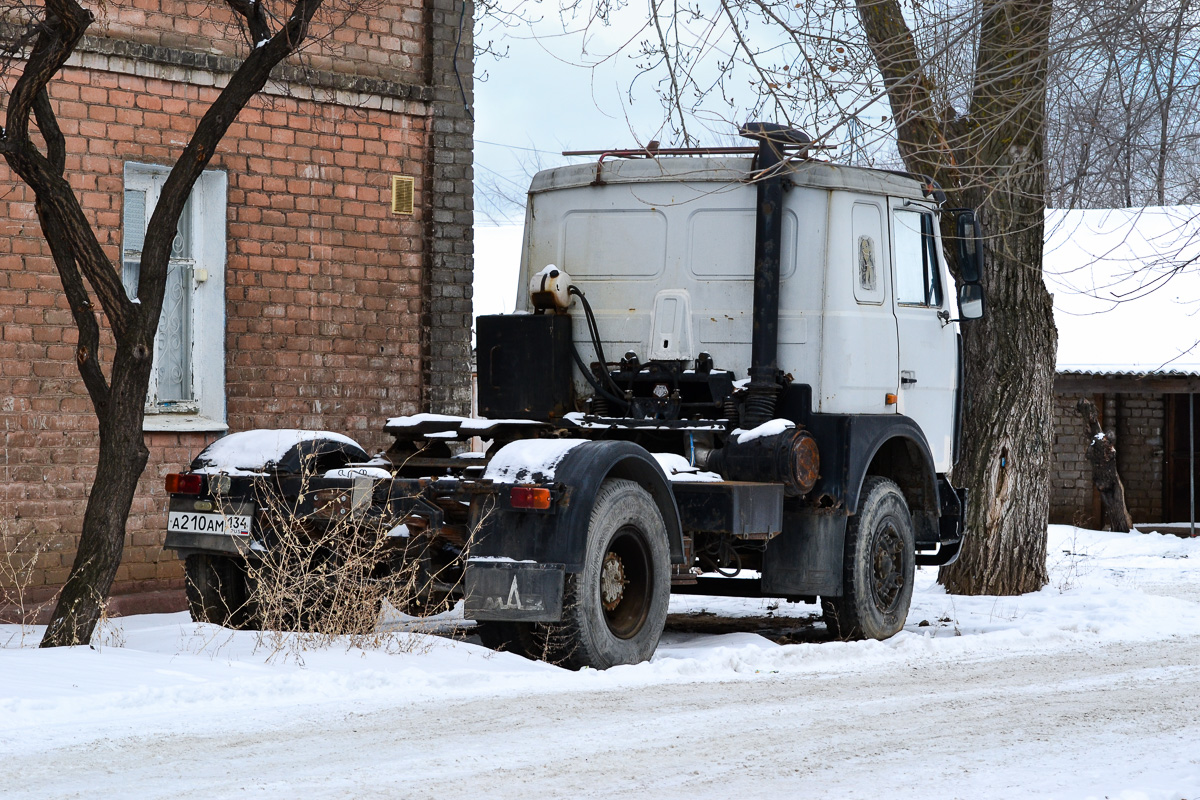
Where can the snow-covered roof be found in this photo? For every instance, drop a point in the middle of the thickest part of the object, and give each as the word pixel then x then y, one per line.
pixel 1126 286
pixel 1130 373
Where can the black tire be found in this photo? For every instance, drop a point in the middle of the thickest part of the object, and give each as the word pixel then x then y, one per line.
pixel 614 610
pixel 878 569
pixel 218 591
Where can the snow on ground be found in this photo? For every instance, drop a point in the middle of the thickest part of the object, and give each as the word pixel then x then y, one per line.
pixel 1085 689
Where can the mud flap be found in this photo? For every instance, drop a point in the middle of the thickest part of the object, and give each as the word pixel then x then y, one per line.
pixel 516 591
pixel 807 559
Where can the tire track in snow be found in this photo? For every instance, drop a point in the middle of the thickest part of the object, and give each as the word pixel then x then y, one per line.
pixel 1073 722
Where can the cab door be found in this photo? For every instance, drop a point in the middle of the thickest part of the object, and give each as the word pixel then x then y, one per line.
pixel 927 340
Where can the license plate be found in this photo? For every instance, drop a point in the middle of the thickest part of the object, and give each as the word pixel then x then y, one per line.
pixel 198 522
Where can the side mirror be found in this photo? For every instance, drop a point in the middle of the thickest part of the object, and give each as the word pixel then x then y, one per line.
pixel 970 246
pixel 970 301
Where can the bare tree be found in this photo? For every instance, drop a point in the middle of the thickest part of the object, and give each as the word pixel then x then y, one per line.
pixel 38 40
pixel 1124 97
pixel 992 159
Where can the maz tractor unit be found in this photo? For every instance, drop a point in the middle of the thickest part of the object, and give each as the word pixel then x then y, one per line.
pixel 736 371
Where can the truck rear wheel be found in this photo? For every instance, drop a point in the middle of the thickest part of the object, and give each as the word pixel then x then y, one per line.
pixel 878 569
pixel 218 591
pixel 614 610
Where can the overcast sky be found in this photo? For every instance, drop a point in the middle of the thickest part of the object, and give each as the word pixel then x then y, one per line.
pixel 545 97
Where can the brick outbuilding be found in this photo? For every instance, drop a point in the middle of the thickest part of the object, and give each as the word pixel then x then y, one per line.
pixel 1155 443
pixel 296 297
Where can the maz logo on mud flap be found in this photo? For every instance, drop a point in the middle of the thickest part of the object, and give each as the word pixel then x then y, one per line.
pixel 514 602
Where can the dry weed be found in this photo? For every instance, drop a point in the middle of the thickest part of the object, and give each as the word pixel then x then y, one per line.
pixel 318 580
pixel 19 557
pixel 1072 564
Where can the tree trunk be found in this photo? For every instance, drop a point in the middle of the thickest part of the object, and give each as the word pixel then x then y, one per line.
pixel 1007 411
pixel 991 160
pixel 1007 408
pixel 1102 454
pixel 123 457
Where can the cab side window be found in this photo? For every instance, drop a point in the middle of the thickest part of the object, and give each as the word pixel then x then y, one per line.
pixel 917 276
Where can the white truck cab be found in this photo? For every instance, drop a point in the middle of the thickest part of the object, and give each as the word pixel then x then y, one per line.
pixel 664 249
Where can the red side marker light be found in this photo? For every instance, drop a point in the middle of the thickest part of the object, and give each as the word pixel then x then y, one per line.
pixel 530 497
pixel 184 484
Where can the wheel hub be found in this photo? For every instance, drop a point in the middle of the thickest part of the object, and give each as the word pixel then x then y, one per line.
pixel 612 581
pixel 888 581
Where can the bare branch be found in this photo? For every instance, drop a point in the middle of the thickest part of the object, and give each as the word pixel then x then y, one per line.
pixel 255 16
pixel 47 122
pixel 921 139
pixel 58 208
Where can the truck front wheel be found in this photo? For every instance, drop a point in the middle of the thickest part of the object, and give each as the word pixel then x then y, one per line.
pixel 878 569
pixel 614 610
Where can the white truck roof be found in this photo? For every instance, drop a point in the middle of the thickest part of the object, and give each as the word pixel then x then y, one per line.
pixel 723 169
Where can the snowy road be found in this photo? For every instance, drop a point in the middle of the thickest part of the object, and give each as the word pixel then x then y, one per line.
pixel 1090 688
pixel 1077 722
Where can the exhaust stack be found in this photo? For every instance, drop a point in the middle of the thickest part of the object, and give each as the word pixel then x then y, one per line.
pixel 772 139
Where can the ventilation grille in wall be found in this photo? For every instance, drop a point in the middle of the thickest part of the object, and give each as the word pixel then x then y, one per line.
pixel 402 194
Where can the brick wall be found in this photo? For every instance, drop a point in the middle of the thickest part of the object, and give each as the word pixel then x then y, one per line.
pixel 447 358
pixel 339 314
pixel 384 41
pixel 1140 424
pixel 1138 421
pixel 1070 473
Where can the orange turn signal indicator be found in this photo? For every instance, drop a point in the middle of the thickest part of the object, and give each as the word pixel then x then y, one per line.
pixel 534 497
pixel 889 399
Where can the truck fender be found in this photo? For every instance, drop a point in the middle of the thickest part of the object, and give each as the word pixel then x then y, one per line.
pixel 575 468
pixel 895 448
pixel 585 467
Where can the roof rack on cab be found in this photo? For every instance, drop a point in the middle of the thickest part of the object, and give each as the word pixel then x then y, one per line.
pixel 780 137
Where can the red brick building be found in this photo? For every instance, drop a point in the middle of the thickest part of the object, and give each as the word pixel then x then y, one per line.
pixel 296 297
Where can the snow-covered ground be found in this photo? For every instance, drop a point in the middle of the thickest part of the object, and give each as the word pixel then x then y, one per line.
pixel 1089 688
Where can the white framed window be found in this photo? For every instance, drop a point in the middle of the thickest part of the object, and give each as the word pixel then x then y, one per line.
pixel 917 279
pixel 187 385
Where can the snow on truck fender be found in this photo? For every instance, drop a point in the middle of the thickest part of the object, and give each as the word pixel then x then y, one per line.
pixel 529 461
pixel 579 466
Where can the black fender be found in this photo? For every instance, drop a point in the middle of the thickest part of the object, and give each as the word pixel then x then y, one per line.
pixel 560 537
pixel 869 438
pixel 891 445
pixel 585 467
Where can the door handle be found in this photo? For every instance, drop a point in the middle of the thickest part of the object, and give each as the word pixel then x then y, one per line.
pixel 907 377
